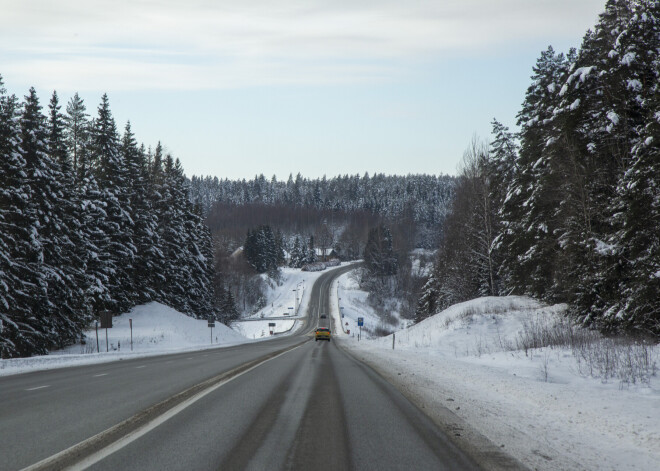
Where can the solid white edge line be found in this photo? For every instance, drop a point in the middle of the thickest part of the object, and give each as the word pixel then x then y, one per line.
pixel 146 428
pixel 38 387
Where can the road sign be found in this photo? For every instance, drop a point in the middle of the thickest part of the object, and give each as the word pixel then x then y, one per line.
pixel 271 324
pixel 211 322
pixel 360 321
pixel 106 319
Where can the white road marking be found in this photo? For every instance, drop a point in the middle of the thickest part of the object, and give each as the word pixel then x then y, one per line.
pixel 100 374
pixel 38 387
pixel 146 428
pixel 141 366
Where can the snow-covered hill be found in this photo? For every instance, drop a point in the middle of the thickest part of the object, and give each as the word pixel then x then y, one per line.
pixel 553 408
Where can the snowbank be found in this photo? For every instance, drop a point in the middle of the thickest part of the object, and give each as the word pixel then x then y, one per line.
pixel 157 329
pixel 540 405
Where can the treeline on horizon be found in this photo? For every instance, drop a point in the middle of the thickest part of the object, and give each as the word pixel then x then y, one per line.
pixel 300 204
pixel 90 221
pixel 568 210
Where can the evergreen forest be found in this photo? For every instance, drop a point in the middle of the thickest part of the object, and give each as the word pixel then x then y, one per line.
pixel 90 221
pixel 568 209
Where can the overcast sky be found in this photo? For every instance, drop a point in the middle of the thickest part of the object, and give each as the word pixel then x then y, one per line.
pixel 242 87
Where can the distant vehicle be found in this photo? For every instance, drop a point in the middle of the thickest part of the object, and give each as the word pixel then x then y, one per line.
pixel 322 333
pixel 323 316
pixel 286 313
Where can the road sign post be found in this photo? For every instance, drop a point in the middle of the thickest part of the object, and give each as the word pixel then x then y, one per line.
pixel 360 324
pixel 211 325
pixel 106 323
pixel 130 323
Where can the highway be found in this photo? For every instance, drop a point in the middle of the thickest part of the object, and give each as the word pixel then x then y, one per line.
pixel 285 403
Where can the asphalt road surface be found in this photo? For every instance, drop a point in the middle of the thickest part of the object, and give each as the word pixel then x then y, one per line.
pixel 286 403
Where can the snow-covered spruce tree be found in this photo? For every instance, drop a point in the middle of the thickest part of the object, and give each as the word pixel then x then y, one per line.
pixel 310 253
pixel 428 301
pixel 19 246
pixel 117 249
pixel 379 256
pixel 603 111
pixel 280 247
pixel 172 216
pixel 263 251
pixel 157 194
pixel 77 129
pixel 90 210
pixel 63 250
pixel 635 211
pixel 527 243
pixel 297 254
pixel 53 311
pixel 226 305
pixel 185 242
pixel 502 170
pixel 200 259
pixel 148 259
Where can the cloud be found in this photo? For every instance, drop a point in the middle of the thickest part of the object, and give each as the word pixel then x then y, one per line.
pixel 193 44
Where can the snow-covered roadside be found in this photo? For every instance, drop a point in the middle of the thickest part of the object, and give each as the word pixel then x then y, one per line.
pixel 352 303
pixel 536 407
pixel 288 297
pixel 286 303
pixel 157 329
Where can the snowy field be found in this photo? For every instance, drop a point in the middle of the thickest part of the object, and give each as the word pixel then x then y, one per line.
pixel 549 407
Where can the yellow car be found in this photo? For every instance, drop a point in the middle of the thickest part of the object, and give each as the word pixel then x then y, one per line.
pixel 323 333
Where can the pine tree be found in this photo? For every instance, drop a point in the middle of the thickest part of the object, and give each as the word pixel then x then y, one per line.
pixel 19 249
pixel 118 251
pixel 297 254
pixel 172 215
pixel 379 256
pixel 310 255
pixel 49 307
pixel 527 243
pixel 145 221
pixel 635 211
pixel 77 131
pixel 62 250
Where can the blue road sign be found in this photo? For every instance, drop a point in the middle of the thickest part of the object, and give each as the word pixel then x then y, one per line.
pixel 360 321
